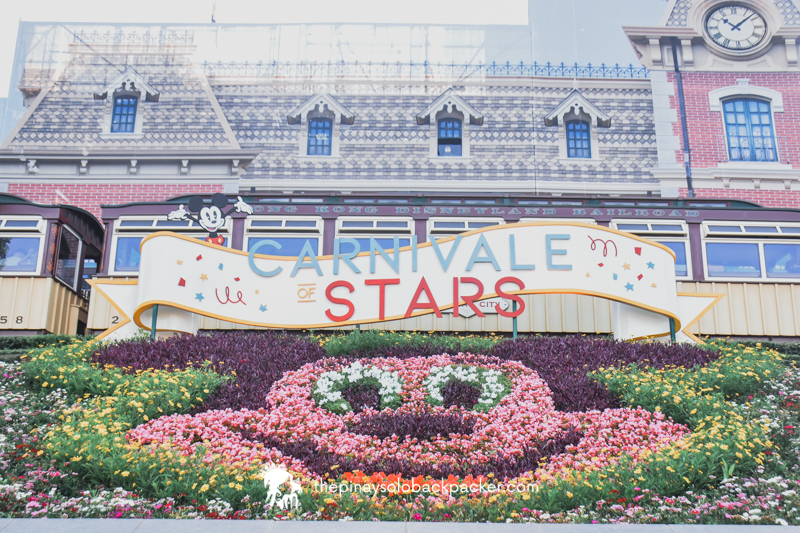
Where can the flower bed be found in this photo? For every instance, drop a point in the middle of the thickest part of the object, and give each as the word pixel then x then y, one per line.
pixel 617 432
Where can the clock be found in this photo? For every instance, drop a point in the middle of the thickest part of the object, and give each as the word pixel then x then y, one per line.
pixel 736 27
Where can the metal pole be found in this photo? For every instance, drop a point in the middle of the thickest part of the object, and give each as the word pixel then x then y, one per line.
pixel 358 327
pixel 687 157
pixel 514 308
pixel 672 330
pixel 153 325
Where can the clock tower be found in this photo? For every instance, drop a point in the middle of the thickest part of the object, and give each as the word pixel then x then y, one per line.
pixel 726 98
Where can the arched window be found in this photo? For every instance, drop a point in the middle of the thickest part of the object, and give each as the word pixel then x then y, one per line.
pixel 449 137
pixel 748 127
pixel 320 132
pixel 123 116
pixel 578 144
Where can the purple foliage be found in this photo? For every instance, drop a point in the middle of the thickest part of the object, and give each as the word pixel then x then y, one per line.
pixel 257 358
pixel 460 394
pixel 563 362
pixel 502 465
pixel 420 426
pixel 362 397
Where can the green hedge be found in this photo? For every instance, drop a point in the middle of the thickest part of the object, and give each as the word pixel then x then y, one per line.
pixel 23 344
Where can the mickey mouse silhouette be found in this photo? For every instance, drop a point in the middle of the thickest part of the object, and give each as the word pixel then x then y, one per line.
pixel 211 218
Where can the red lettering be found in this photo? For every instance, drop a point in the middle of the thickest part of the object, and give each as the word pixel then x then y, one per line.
pixel 469 300
pixel 382 283
pixel 340 301
pixel 499 290
pixel 430 304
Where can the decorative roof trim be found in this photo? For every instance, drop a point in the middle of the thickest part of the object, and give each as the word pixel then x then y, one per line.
pixel 450 100
pixel 576 101
pixel 129 79
pixel 321 100
pixel 743 88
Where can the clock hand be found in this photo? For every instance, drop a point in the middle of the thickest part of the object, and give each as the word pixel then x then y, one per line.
pixel 742 22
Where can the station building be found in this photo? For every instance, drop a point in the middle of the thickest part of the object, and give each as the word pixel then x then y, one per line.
pixel 696 147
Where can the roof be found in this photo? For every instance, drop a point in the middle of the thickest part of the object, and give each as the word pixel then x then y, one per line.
pixel 10 199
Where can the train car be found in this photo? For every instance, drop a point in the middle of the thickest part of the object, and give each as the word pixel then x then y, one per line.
pixel 46 254
pixel 748 252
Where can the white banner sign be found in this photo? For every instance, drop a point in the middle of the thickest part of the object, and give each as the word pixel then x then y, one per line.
pixel 186 278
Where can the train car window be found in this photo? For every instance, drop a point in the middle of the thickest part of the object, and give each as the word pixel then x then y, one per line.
pixel 547 219
pixel 130 230
pixel 794 230
pixel 733 260
pixel 673 236
pixel 761 229
pixel 382 229
pixel 21 245
pixel 445 227
pixel 782 260
pixel 291 233
pixel 69 253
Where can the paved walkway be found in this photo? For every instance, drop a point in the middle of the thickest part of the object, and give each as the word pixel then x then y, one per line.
pixel 41 525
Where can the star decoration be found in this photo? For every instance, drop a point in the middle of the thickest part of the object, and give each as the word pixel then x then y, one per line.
pixel 650 265
pixel 203 277
pixel 626 266
pixel 199 296
pixel 629 287
pixel 262 308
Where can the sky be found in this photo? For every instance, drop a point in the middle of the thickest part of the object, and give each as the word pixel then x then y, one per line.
pixel 569 31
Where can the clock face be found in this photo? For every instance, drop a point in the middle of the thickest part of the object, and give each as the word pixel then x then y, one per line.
pixel 736 27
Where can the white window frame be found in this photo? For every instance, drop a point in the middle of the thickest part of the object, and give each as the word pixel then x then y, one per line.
pixel 282 231
pixel 748 238
pixel 743 89
pixel 189 231
pixel 443 114
pixel 109 115
pixel 78 260
pixel 552 219
pixel 657 235
pixel 38 232
pixel 430 225
pixel 366 233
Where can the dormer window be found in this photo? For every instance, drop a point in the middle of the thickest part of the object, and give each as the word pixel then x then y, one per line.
pixel 578 121
pixel 123 116
pixel 320 118
pixel 578 140
pixel 449 137
pixel 124 97
pixel 449 118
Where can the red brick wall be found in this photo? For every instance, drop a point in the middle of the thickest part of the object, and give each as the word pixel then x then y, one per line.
pixel 759 196
pixel 706 132
pixel 90 197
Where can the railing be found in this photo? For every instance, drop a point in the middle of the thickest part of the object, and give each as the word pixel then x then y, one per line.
pixel 759 150
pixel 167 37
pixel 419 70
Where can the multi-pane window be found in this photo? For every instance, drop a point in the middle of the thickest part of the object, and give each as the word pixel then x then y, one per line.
pixel 578 139
pixel 320 132
pixel 444 227
pixel 382 229
pixel 69 254
pixel 20 245
pixel 673 234
pixel 123 117
pixel 752 250
pixel 449 137
pixel 748 126
pixel 290 233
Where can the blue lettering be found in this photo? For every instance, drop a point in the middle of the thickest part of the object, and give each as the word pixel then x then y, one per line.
pixel 514 265
pixel 482 245
pixel 300 263
pixel 551 252
pixel 251 257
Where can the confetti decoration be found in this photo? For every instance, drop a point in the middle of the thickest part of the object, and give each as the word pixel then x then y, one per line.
pixel 640 276
pixel 638 250
pixel 199 296
pixel 182 283
pixel 203 277
pixel 588 275
pixel 199 257
pixel 235 279
pixel 256 291
pixel 180 262
pixel 650 265
pixel 626 266
pixel 654 285
pixel 600 264
pixel 615 276
pixel 629 286
pixel 220 266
